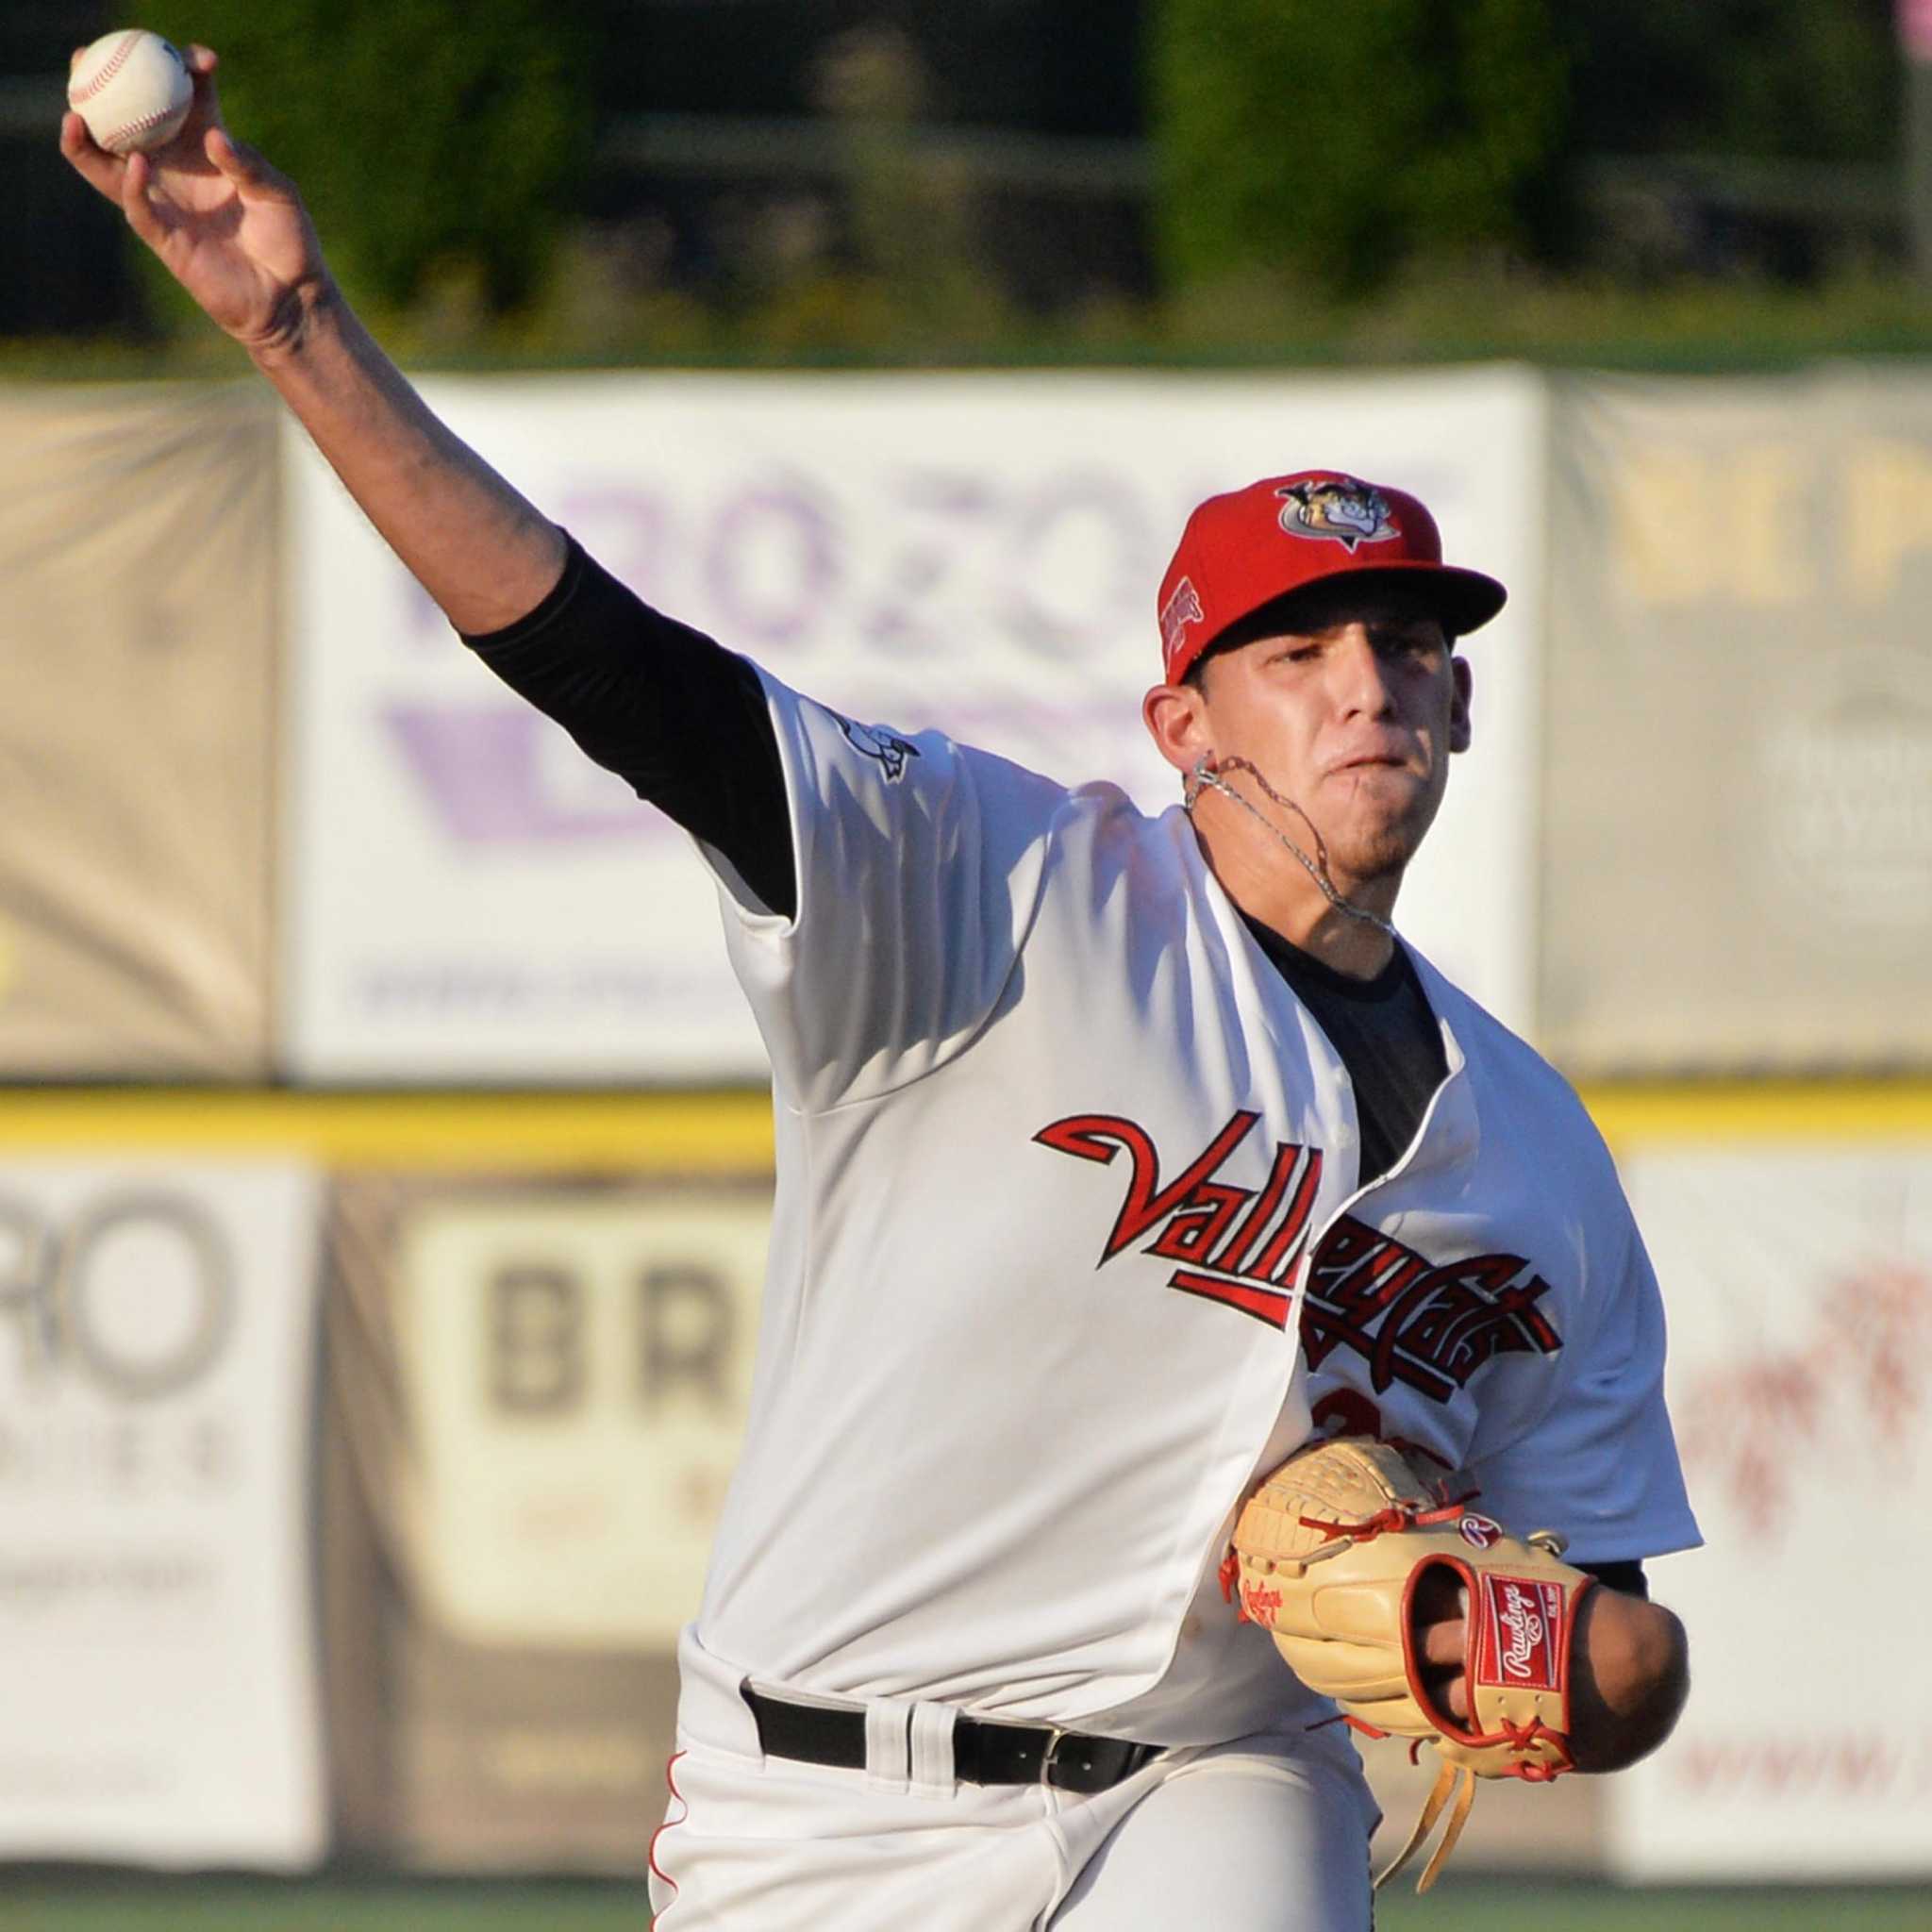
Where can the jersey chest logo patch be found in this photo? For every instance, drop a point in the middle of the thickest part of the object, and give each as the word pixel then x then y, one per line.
pixel 1427 1325
pixel 887 748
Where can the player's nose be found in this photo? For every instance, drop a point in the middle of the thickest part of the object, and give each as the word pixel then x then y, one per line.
pixel 1359 677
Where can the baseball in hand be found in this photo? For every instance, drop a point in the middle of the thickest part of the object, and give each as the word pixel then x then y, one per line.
pixel 132 88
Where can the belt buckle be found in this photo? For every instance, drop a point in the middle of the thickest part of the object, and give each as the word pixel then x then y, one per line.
pixel 1056 1738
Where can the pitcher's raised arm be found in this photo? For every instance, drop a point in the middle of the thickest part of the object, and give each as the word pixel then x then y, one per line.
pixel 232 231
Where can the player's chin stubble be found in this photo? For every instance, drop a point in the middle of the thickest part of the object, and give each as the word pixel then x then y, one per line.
pixel 1372 829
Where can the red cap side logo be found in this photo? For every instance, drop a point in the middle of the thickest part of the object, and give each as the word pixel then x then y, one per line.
pixel 1339 508
pixel 1181 610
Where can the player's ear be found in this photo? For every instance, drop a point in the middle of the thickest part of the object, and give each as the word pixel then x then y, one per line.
pixel 1459 704
pixel 1176 720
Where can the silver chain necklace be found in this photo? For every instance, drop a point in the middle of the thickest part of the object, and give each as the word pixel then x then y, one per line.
pixel 1204 775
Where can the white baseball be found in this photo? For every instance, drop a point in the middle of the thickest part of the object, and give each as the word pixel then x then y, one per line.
pixel 132 88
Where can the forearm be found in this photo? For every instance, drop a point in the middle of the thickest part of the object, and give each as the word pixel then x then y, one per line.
pixel 479 548
pixel 1629 1677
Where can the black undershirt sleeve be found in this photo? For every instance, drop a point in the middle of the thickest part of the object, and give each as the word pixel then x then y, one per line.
pixel 680 717
pixel 1629 1577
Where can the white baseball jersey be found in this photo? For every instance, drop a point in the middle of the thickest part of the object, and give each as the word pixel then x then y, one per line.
pixel 1069 1247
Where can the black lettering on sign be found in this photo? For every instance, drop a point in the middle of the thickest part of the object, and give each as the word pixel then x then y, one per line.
pixel 536 1340
pixel 85 1297
pixel 96 1336
pixel 685 1328
pixel 27 1288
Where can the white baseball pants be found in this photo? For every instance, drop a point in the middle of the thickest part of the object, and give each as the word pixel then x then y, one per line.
pixel 1273 1831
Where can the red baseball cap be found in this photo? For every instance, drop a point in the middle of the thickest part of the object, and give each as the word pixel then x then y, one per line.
pixel 1250 546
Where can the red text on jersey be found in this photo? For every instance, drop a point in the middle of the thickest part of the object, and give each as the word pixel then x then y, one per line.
pixel 1239 1244
pixel 1425 1325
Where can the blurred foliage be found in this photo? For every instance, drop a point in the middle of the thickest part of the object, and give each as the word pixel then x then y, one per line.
pixel 1392 183
pixel 1327 145
pixel 910 227
pixel 1795 79
pixel 852 321
pixel 434 147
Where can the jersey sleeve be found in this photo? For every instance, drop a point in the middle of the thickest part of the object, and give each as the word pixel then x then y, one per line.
pixel 919 862
pixel 1601 1462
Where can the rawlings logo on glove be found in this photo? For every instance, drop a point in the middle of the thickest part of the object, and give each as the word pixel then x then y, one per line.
pixel 1329 1555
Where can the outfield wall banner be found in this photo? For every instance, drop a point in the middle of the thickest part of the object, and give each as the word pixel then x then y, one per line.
pixel 538 1389
pixel 1799 1286
pixel 469 899
pixel 1738 842
pixel 158 1695
pixel 138 546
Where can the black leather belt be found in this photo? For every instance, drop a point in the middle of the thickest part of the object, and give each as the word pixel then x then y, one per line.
pixel 983 1753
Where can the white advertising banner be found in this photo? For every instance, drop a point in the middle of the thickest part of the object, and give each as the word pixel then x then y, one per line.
pixel 157 1669
pixel 470 900
pixel 1799 1288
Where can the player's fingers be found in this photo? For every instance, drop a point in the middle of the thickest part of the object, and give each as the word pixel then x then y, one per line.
pixel 205 110
pixel 243 166
pixel 136 202
pixel 1443 1644
pixel 95 166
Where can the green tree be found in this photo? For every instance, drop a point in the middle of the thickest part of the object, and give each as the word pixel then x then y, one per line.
pixel 1329 143
pixel 426 138
pixel 1787 79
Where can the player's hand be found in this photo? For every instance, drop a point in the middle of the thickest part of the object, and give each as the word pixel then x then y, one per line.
pixel 1441 1628
pixel 229 228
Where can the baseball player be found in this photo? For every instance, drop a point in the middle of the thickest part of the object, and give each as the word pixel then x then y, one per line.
pixel 1118 1158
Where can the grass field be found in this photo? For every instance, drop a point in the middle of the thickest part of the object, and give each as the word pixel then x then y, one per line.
pixel 33 1901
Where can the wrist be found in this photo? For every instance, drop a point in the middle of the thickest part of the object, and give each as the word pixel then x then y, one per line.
pixel 1629 1677
pixel 307 312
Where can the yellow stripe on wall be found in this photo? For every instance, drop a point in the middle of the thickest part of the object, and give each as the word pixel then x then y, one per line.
pixel 1762 1109
pixel 731 1132
pixel 698 1133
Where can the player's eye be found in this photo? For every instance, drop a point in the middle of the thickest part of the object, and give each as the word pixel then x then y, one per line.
pixel 1409 641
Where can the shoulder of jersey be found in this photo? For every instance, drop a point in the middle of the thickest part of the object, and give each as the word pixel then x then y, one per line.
pixel 1520 1071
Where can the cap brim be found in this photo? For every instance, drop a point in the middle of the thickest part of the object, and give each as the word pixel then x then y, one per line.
pixel 1465 600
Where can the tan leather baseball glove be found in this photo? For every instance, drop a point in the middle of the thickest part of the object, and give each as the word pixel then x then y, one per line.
pixel 1329 1555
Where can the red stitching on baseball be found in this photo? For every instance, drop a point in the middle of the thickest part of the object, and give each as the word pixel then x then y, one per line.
pixel 109 67
pixel 122 129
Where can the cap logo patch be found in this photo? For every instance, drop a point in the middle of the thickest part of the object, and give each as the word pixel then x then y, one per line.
pixel 1347 512
pixel 1181 610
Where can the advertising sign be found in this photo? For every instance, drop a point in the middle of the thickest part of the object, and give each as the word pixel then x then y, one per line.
pixel 156 1667
pixel 470 900
pixel 1799 1287
pixel 579 1370
pixel 1738 819
pixel 539 1390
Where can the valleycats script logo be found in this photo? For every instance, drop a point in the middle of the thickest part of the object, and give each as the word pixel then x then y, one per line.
pixel 1427 1327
